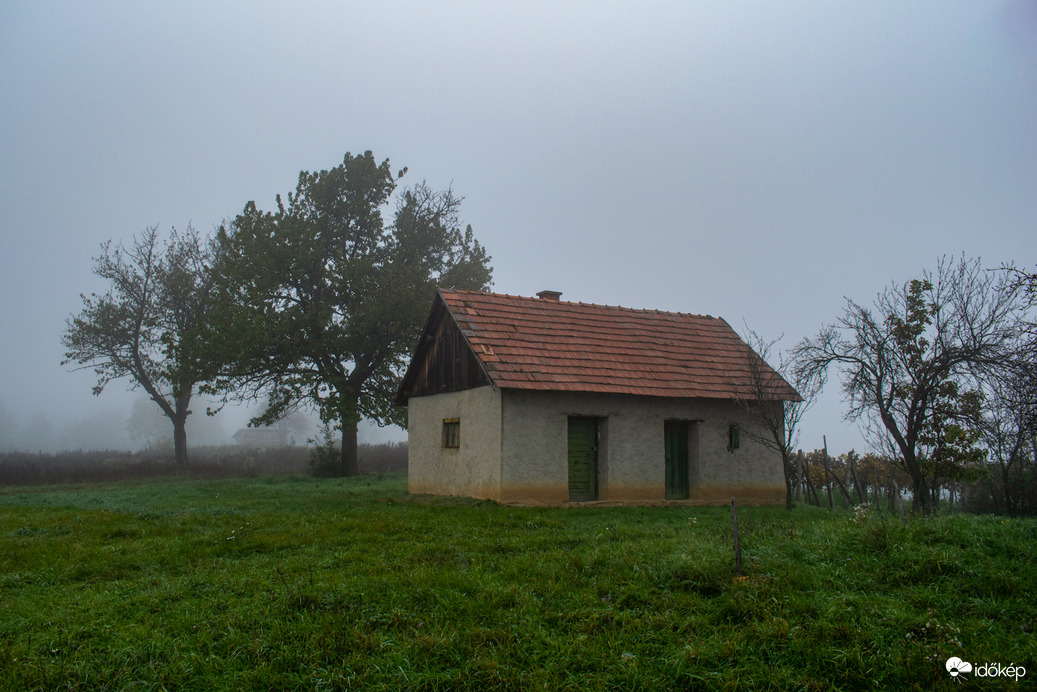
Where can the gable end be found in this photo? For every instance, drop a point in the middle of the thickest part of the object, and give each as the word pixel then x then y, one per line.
pixel 444 361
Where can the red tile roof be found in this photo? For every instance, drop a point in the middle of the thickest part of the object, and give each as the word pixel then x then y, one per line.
pixel 533 343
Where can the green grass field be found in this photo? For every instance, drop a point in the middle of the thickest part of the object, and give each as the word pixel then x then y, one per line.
pixel 297 583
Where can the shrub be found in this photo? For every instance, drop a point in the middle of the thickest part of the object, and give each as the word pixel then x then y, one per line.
pixel 325 458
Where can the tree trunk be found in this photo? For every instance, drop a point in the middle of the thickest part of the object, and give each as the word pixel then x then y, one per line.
pixel 350 459
pixel 789 474
pixel 180 439
pixel 862 490
pixel 788 492
pixel 920 489
pixel 845 485
pixel 922 495
pixel 179 417
pixel 176 411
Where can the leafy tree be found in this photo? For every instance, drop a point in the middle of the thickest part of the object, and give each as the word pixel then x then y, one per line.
pixel 139 329
pixel 322 300
pixel 909 365
pixel 949 441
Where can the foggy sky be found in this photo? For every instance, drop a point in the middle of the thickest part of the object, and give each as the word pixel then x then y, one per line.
pixel 753 160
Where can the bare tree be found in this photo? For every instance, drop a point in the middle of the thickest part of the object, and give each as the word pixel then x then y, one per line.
pixel 1009 430
pixel 1009 421
pixel 909 364
pixel 770 403
pixel 158 293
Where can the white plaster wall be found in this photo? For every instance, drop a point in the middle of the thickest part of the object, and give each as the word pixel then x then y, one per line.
pixel 631 465
pixel 471 470
pixel 753 472
pixel 535 441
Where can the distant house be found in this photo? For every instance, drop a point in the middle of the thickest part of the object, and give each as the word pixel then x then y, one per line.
pixel 260 437
pixel 542 401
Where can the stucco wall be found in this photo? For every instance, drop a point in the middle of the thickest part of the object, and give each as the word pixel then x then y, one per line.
pixel 471 470
pixel 514 448
pixel 631 466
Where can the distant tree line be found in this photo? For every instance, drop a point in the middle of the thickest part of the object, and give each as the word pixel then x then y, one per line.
pixel 24 468
pixel 315 304
pixel 879 482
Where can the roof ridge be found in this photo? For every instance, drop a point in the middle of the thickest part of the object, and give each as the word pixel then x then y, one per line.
pixel 539 301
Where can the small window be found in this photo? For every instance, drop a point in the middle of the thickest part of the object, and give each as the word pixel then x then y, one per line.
pixel 734 438
pixel 451 433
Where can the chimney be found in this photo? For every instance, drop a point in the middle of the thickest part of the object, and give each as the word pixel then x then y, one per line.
pixel 549 295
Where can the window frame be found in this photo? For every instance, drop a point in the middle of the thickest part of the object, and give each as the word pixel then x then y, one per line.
pixel 734 437
pixel 451 433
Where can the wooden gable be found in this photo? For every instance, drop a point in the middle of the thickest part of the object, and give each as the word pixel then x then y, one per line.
pixel 443 361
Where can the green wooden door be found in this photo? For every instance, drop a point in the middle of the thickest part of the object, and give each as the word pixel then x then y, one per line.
pixel 676 437
pixel 583 459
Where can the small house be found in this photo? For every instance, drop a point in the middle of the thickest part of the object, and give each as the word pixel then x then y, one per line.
pixel 543 401
pixel 258 438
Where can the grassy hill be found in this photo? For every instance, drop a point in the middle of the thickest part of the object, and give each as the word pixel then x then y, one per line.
pixel 298 583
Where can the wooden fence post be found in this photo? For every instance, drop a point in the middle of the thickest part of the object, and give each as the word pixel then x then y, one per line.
pixel 900 501
pixel 799 474
pixel 862 490
pixel 830 476
pixel 738 543
pixel 809 488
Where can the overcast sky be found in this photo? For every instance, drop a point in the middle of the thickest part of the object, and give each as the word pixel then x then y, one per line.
pixel 753 160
